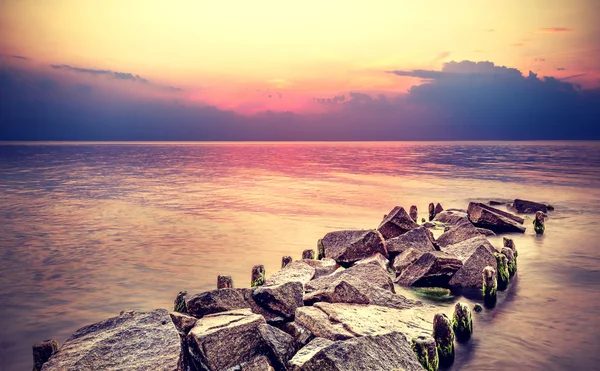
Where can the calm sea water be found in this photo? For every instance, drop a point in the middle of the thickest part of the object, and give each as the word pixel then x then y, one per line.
pixel 87 230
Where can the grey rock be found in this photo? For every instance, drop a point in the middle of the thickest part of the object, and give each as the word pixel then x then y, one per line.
pixel 183 323
pixel 395 223
pixel 299 333
pixel 433 268
pixel 282 299
pixel 484 216
pixel 215 301
pixel 414 214
pixel 486 232
pixel 296 271
pixel 280 346
pixel 42 351
pixel 371 272
pixel 378 258
pixel 450 217
pixel 308 352
pixel 528 207
pixel 476 253
pixel 406 258
pixel 349 246
pixel 260 363
pixel 322 267
pixel 419 238
pixel 459 232
pixel 131 341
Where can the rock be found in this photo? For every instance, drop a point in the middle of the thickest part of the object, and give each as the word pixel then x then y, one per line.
pixel 413 213
pixel 280 346
pixel 224 282
pixel 132 341
pixel 511 261
pixel 258 276
pixel 402 261
pixel 322 267
pixel 423 220
pixel 431 210
pixel 183 323
pixel 260 363
pixel 550 207
pixel 377 258
pixel 429 225
pixel 484 216
pixel 438 209
pixel 297 271
pixel 462 322
pixel 179 304
pixel 450 217
pixel 371 272
pixel 282 299
pixel 459 232
pixel 426 351
pixel 538 223
pixel 478 308
pixel 444 338
pixel 285 260
pixel 308 352
pixel 508 242
pixel 528 207
pixel 496 203
pixel 433 293
pixel 433 268
pixel 382 352
pixel 300 334
pixel 347 247
pixel 318 323
pixel 42 351
pixel 397 222
pixel 215 301
pixel 506 214
pixel 502 269
pixel 489 286
pixel 486 232
pixel 476 253
pixel 308 254
pixel 223 340
pixel 419 238
pixel 271 317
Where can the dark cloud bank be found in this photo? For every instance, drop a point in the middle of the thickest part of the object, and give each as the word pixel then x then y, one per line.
pixel 463 101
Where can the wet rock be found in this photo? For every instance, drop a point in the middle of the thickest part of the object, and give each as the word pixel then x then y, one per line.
pixel 433 268
pixel 282 299
pixel 502 269
pixel 308 254
pixel 496 203
pixel 462 322
pixel 214 301
pixel 297 271
pixel 484 216
pixel 444 338
pixel 511 261
pixel 285 260
pixel 413 213
pixel 183 323
pixel 110 345
pixel 538 223
pixel 426 351
pixel 431 211
pixel 382 352
pixel 550 207
pixel 486 232
pixel 224 282
pixel 438 209
pixel 459 232
pixel 308 352
pixel 347 247
pixel 429 225
pixel 489 286
pixel 322 267
pixel 179 304
pixel 528 207
pixel 300 334
pixel 371 272
pixel 42 351
pixel 476 253
pixel 397 222
pixel 419 238
pixel 280 346
pixel 478 308
pixel 258 276
pixel 450 217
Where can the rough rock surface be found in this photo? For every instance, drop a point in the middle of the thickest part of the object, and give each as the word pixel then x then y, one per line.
pixel 409 256
pixel 459 232
pixel 383 352
pixel 282 299
pixel 395 223
pixel 485 216
pixel 260 363
pixel 528 207
pixel 280 346
pixel 476 253
pixel 42 351
pixel 378 258
pixel 438 208
pixel 296 271
pixel 414 213
pixel 371 272
pixel 450 217
pixel 486 232
pixel 430 269
pixel 223 340
pixel 419 238
pixel 308 352
pixel 300 334
pixel 215 301
pixel 131 341
pixel 349 246
pixel 322 267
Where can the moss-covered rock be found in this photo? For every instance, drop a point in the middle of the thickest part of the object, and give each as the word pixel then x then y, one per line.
pixel 462 322
pixel 433 293
pixel 258 276
pixel 426 351
pixel 478 308
pixel 444 338
pixel 503 274
pixel 489 286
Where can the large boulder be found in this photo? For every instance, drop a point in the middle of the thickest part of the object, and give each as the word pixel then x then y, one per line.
pixel 371 272
pixel 378 258
pixel 528 207
pixel 307 353
pixel 296 271
pixel 459 232
pixel 279 345
pixel 223 340
pixel 131 341
pixel 384 352
pixel 349 246
pixel 419 238
pixel 450 217
pixel 409 256
pixel 485 216
pixel 433 268
pixel 395 223
pixel 322 267
pixel 476 253
pixel 214 301
pixel 300 334
pixel 282 299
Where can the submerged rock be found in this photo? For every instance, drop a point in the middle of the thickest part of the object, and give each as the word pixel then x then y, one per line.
pixel 431 269
pixel 528 207
pixel 397 222
pixel 349 246
pixel 42 351
pixel 502 269
pixel 214 301
pixel 511 261
pixel 426 351
pixel 110 345
pixel 484 216
pixel 282 299
pixel 475 253
pixel 419 238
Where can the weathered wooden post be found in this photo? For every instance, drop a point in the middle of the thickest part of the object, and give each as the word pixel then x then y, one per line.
pixel 426 351
pixel 414 215
pixel 503 274
pixel 224 282
pixel 308 254
pixel 42 352
pixel 431 211
pixel 285 261
pixel 512 262
pixel 438 208
pixel 462 322
pixel 179 304
pixel 320 249
pixel 538 223
pixel 444 339
pixel 489 286
pixel 258 276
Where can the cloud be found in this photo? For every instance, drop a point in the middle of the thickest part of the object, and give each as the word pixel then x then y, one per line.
pixel 20 57
pixel 441 56
pixel 573 76
pixel 328 101
pixel 554 30
pixel 560 69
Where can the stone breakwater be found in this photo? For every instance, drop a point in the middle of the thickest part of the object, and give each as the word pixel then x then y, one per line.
pixel 334 309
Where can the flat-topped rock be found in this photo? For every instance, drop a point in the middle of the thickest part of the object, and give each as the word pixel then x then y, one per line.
pixel 282 299
pixel 484 216
pixel 433 268
pixel 371 272
pixel 419 238
pixel 450 216
pixel 214 301
pixel 378 258
pixel 395 223
pixel 296 271
pixel 132 341
pixel 385 352
pixel 528 207
pixel 307 353
pixel 476 253
pixel 459 232
pixel 322 267
pixel 349 246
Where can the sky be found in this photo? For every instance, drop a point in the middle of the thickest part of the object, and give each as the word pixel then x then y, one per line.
pixel 310 70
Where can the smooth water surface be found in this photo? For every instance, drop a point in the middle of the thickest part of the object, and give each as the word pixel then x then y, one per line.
pixel 87 230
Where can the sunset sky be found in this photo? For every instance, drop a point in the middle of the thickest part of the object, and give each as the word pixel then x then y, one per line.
pixel 72 69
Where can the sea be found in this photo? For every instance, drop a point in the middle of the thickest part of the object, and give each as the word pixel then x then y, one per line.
pixel 89 229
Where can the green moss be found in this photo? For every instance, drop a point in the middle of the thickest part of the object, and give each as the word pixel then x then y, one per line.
pixel 423 357
pixel 445 351
pixel 259 281
pixel 179 305
pixel 320 250
pixel 503 273
pixel 462 322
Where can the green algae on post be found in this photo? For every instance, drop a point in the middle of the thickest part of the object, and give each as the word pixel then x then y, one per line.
pixel 512 262
pixel 538 223
pixel 444 338
pixel 258 276
pixel 462 322
pixel 489 286
pixel 320 249
pixel 426 351
pixel 503 274
pixel 179 304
